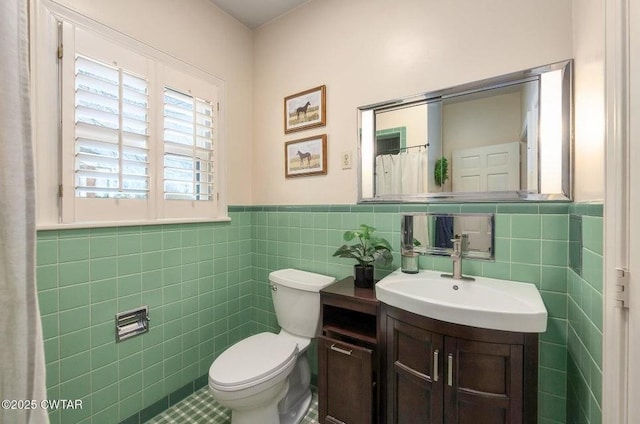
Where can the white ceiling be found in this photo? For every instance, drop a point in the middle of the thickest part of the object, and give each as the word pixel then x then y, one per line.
pixel 254 13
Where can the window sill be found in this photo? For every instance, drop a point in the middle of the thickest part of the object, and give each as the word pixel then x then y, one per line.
pixel 101 224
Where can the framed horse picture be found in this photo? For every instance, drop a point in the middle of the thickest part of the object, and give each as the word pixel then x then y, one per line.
pixel 305 110
pixel 307 156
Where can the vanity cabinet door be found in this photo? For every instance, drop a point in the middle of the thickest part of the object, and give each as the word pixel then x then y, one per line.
pixel 484 382
pixel 414 377
pixel 439 372
pixel 345 382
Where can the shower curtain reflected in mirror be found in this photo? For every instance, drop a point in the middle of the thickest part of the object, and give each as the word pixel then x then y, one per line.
pixel 405 172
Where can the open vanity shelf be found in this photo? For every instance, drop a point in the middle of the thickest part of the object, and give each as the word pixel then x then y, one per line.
pixel 348 326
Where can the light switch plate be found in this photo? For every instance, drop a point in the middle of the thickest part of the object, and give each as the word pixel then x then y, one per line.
pixel 346 160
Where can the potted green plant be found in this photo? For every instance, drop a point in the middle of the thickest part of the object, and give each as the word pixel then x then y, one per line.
pixel 367 250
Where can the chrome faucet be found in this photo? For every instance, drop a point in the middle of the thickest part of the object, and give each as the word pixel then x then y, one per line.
pixel 459 244
pixel 409 257
pixel 456 258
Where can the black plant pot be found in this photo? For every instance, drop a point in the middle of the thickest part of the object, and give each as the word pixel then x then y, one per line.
pixel 363 276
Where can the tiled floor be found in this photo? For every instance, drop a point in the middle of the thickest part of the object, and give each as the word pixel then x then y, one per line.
pixel 201 408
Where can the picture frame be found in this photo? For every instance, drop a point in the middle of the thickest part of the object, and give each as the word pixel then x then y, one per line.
pixel 305 156
pixel 305 110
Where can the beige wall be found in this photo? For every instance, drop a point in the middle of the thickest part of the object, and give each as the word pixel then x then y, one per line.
pixel 501 122
pixel 589 95
pixel 367 51
pixel 413 119
pixel 200 34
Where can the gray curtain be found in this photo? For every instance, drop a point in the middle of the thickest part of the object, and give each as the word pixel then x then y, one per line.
pixel 22 373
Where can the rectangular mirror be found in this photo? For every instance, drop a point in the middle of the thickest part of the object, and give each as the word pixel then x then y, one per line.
pixel 502 139
pixel 432 234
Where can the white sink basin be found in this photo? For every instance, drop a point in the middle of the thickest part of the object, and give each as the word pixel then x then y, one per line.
pixel 485 302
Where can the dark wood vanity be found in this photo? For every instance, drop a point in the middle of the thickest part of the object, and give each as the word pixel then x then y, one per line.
pixel 380 364
pixel 348 355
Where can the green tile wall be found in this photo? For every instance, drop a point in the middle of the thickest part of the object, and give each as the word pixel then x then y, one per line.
pixel 585 317
pixel 531 246
pixel 196 279
pixel 207 287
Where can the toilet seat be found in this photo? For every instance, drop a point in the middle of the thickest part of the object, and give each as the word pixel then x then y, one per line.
pixel 252 361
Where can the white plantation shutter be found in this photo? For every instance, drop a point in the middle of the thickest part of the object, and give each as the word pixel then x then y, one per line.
pixel 188 147
pixel 189 157
pixel 138 136
pixel 111 132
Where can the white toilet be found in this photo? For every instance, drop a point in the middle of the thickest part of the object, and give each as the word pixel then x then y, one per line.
pixel 266 378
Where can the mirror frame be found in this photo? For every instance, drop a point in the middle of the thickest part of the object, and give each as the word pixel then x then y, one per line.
pixel 366 134
pixel 447 251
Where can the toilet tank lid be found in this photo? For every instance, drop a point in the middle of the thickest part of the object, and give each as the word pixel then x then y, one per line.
pixel 301 280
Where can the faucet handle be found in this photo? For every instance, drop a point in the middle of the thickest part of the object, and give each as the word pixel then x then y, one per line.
pixel 457 246
pixel 460 243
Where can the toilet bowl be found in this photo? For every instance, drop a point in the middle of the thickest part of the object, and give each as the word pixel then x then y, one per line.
pixel 266 377
pixel 252 376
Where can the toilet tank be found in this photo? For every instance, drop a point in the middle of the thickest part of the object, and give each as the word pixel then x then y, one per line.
pixel 296 300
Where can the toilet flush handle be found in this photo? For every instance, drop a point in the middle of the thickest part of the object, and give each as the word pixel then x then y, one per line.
pixel 274 287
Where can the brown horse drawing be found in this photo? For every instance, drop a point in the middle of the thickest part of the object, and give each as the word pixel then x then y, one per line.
pixel 304 156
pixel 302 109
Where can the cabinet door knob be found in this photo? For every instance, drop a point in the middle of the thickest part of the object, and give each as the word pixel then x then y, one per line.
pixel 341 350
pixel 450 370
pixel 435 364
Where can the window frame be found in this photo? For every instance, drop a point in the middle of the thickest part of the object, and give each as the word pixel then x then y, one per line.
pixel 55 138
